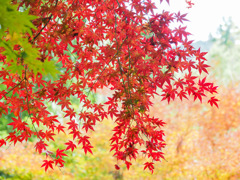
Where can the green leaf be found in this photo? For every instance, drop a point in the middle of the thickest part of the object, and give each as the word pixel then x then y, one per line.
pixel 14 68
pixel 49 67
pixel 13 20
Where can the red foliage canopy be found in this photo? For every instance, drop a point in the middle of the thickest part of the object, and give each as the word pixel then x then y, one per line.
pixel 116 46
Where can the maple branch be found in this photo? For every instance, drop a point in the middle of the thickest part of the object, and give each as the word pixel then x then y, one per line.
pixel 35 37
pixel 108 64
pixel 119 63
pixel 12 88
pixel 103 71
pixel 10 48
pixel 28 108
pixel 49 18
pixel 121 71
pixel 128 92
pixel 125 89
pixel 29 113
pixel 25 77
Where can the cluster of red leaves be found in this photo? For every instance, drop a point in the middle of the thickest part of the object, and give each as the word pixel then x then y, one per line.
pixel 133 65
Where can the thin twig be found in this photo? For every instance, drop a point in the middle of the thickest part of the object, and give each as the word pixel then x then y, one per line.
pixel 49 18
pixel 12 88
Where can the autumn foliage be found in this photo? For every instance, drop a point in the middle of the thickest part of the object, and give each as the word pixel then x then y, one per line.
pixel 75 48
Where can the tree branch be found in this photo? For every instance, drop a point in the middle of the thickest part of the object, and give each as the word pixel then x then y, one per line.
pixel 49 18
pixel 12 89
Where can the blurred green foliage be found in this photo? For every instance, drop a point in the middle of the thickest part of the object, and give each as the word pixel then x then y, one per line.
pixel 14 25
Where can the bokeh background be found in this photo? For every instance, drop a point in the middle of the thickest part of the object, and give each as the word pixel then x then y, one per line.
pixel 203 142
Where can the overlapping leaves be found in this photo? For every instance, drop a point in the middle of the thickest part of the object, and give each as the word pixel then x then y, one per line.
pixel 113 47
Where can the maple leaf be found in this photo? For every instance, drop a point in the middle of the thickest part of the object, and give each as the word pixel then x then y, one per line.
pixel 84 140
pixel 117 167
pixel 198 95
pixel 169 93
pixel 40 146
pixel 212 89
pixel 60 128
pixel 60 153
pixel 2 142
pixel 47 164
pixel 36 120
pixel 87 148
pixel 150 6
pixel 180 17
pixel 76 134
pixel 72 125
pixel 149 165
pixel 48 135
pixel 70 145
pixel 64 103
pixel 128 164
pixel 181 31
pixel 202 67
pixel 87 126
pixel 203 84
pixel 18 124
pixel 70 112
pixel 200 55
pixel 182 94
pixel 59 161
pixel 190 4
pixel 48 121
pixel 48 153
pixel 190 79
pixel 213 101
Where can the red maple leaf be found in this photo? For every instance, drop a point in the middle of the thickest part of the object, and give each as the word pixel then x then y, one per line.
pixel 180 17
pixel 60 128
pixel 70 145
pixel 87 148
pixel 40 146
pixel 149 165
pixel 18 124
pixel 49 135
pixel 213 101
pixel 59 161
pixel 70 112
pixel 72 125
pixel 2 142
pixel 128 164
pixel 202 67
pixel 36 120
pixel 60 153
pixel 47 164
pixel 117 167
pixel 200 55
pixel 203 84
